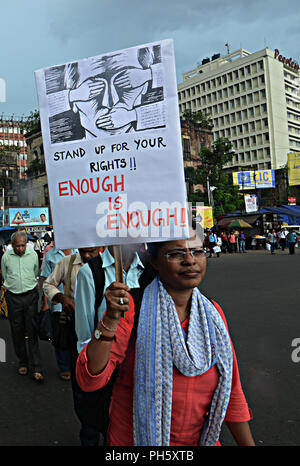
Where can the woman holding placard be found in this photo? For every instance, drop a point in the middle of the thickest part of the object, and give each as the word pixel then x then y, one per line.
pixel 178 378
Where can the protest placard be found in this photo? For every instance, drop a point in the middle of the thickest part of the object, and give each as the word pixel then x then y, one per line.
pixel 112 143
pixel 251 203
pixel 204 216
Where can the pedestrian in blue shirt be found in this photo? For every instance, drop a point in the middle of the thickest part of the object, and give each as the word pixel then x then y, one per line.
pixel 272 240
pixel 85 304
pixel 85 290
pixel 292 239
pixel 212 242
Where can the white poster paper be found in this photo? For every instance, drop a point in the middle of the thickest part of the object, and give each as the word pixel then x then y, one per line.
pixel 112 142
pixel 250 203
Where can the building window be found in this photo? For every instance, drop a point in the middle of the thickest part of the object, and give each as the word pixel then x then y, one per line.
pixel 254 68
pixel 264 108
pixel 46 194
pixel 186 149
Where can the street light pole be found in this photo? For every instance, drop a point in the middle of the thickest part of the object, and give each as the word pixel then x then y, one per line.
pixel 208 190
pixel 3 207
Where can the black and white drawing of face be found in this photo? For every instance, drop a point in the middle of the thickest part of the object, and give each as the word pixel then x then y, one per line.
pixel 105 90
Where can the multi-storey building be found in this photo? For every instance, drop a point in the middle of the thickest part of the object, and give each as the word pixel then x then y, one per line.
pixel 12 140
pixel 253 100
pixel 194 136
pixel 34 190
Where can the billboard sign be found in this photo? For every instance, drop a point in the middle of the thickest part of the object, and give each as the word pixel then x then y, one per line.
pixel 258 179
pixel 28 216
pixel 294 168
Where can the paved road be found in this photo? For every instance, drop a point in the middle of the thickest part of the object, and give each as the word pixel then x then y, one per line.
pixel 260 295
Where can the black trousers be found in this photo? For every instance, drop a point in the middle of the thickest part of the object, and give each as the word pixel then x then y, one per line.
pixel 292 248
pixel 282 243
pixel 21 309
pixel 89 436
pixel 211 248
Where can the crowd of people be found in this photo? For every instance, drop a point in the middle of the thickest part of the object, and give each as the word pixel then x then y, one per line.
pixel 234 241
pixel 150 358
pixel 281 239
pixel 217 242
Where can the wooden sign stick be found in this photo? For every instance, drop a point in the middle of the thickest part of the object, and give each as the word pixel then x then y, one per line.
pixel 117 250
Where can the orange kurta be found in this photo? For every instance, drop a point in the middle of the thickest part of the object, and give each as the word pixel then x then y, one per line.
pixel 191 395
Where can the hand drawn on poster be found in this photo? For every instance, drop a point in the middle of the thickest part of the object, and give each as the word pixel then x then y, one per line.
pixel 106 95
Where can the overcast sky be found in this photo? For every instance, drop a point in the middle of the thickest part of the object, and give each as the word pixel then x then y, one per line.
pixel 36 34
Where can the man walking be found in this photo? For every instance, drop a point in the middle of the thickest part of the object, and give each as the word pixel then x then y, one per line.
pixel 282 239
pixel 62 355
pixel 85 296
pixel 90 309
pixel 242 242
pixel 20 268
pixel 212 242
pixel 292 239
pixel 65 273
pixel 272 240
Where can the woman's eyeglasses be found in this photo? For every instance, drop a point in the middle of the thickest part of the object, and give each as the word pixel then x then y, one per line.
pixel 179 255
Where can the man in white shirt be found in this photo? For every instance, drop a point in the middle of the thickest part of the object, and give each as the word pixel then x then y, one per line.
pixel 282 238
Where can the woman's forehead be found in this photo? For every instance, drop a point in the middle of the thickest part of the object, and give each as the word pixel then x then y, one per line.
pixel 191 242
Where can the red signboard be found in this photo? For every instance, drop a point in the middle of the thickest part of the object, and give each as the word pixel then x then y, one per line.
pixel 287 61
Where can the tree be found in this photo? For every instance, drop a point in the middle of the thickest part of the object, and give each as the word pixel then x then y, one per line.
pixel 197 117
pixel 211 173
pixel 33 122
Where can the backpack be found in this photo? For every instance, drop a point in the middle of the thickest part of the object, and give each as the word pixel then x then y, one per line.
pixel 96 404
